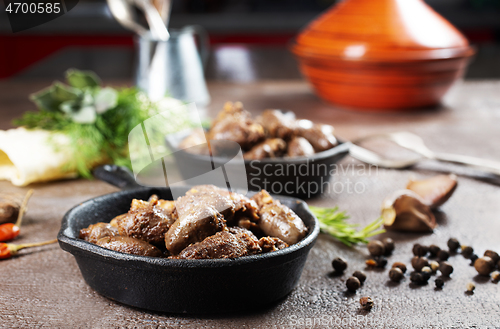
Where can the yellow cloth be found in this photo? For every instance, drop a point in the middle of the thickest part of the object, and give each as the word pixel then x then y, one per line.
pixel 27 156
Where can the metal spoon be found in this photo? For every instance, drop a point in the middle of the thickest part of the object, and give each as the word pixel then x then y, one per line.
pixel 123 12
pixel 416 144
pixel 156 24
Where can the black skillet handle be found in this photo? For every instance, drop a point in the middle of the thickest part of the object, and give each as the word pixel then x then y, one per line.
pixel 120 177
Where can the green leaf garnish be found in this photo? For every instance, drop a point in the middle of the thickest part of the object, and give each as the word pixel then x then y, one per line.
pixel 333 222
pixel 82 79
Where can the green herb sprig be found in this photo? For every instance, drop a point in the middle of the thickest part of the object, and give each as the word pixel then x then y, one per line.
pixel 333 222
pixel 96 119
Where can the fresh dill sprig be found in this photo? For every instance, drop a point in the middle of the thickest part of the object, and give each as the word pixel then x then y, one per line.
pixel 333 222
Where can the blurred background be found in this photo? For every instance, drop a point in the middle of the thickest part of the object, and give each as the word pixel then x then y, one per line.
pixel 247 38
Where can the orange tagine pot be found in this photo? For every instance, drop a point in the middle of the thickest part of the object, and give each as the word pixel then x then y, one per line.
pixel 382 55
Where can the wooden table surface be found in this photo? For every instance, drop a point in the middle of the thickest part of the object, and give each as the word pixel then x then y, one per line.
pixel 43 288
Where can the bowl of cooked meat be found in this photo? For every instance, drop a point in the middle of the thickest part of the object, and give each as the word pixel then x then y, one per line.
pixel 208 251
pixel 282 154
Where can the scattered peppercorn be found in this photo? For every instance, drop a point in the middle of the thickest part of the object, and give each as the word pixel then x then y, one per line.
pixel 388 245
pixel 470 287
pixel 395 274
pixel 498 265
pixel 473 259
pixel 443 255
pixel 434 266
pixel 366 303
pixel 426 272
pixel 360 275
pixel 484 265
pixel 339 265
pixel 352 284
pixel 493 255
pixel 453 244
pixel 434 250
pixel 439 282
pixel 445 268
pixel 417 278
pixel 419 250
pixel 401 266
pixel 467 251
pixel 381 262
pixel 419 262
pixel 376 248
pixel 495 276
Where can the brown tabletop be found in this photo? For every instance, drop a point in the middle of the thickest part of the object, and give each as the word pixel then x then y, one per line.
pixel 43 287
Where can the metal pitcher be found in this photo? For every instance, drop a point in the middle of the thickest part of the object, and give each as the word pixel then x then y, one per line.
pixel 174 67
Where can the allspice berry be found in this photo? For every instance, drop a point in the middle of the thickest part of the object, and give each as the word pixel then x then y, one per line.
pixel 366 303
pixel 445 268
pixel 418 278
pixel 339 265
pixel 395 274
pixel 400 265
pixel 493 255
pixel 352 284
pixel 467 251
pixel 443 255
pixel 360 275
pixel 376 248
pixel 388 245
pixel 419 250
pixel 484 265
pixel 419 262
pixel 453 244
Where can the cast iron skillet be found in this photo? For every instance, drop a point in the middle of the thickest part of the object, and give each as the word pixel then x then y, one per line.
pixel 179 286
pixel 302 177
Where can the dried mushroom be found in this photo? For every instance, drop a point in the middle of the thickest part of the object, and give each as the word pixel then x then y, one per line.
pixel 406 211
pixel 434 191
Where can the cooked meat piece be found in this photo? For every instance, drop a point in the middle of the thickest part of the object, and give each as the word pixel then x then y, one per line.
pixel 278 220
pixel 243 207
pixel 235 124
pixel 202 212
pixel 268 244
pixel 219 245
pixel 195 143
pixel 248 239
pixel 250 225
pixel 320 136
pixel 96 231
pixel 299 147
pixel 129 245
pixel 270 148
pixel 147 221
pixel 114 221
pixel 277 123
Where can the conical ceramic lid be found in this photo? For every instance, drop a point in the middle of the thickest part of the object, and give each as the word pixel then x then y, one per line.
pixel 381 30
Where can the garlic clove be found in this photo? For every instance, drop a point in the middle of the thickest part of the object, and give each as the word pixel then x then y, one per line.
pixel 435 190
pixel 406 211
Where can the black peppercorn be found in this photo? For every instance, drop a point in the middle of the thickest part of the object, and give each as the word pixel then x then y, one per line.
pixel 388 245
pixel 439 282
pixel 445 268
pixel 381 262
pixel 453 244
pixel 352 284
pixel 443 255
pixel 417 278
pixel 339 265
pixel 473 259
pixel 484 265
pixel 360 275
pixel 419 250
pixel 433 250
pixel 493 255
pixel 426 272
pixel 467 251
pixel 395 274
pixel 419 262
pixel 376 248
pixel 366 303
pixel 400 265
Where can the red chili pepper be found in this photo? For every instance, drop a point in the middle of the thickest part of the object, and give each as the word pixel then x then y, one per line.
pixel 10 231
pixel 7 250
